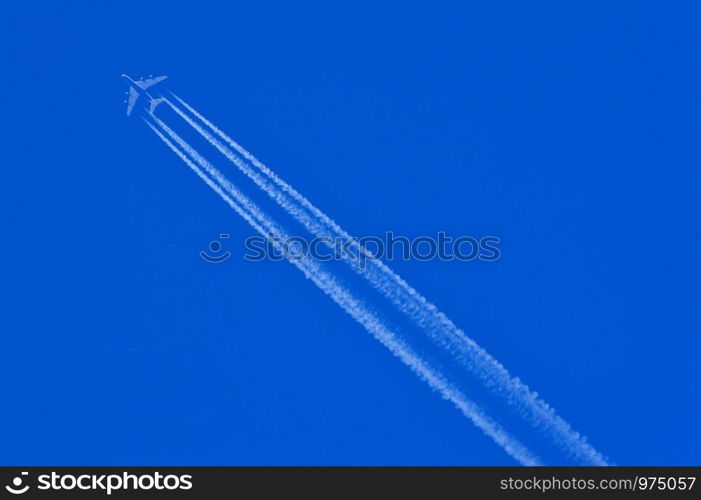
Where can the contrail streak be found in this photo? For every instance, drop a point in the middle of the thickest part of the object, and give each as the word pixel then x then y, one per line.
pixel 341 295
pixel 405 298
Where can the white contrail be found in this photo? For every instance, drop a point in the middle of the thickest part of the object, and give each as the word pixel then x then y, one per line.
pixel 342 296
pixel 411 303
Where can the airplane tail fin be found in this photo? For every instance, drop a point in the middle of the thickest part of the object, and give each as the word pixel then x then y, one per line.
pixel 154 103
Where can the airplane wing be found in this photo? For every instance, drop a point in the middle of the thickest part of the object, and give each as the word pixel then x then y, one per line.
pixel 133 96
pixel 144 84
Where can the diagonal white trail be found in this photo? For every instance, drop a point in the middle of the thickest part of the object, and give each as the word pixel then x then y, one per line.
pixel 405 298
pixel 356 308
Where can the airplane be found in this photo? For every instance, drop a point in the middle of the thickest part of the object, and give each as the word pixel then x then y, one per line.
pixel 138 88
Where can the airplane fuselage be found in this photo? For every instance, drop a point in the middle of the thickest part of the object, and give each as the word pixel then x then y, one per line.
pixel 133 84
pixel 137 88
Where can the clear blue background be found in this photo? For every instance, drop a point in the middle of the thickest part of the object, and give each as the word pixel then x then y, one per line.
pixel 570 130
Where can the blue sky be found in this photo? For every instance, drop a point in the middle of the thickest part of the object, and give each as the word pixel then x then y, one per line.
pixel 569 131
